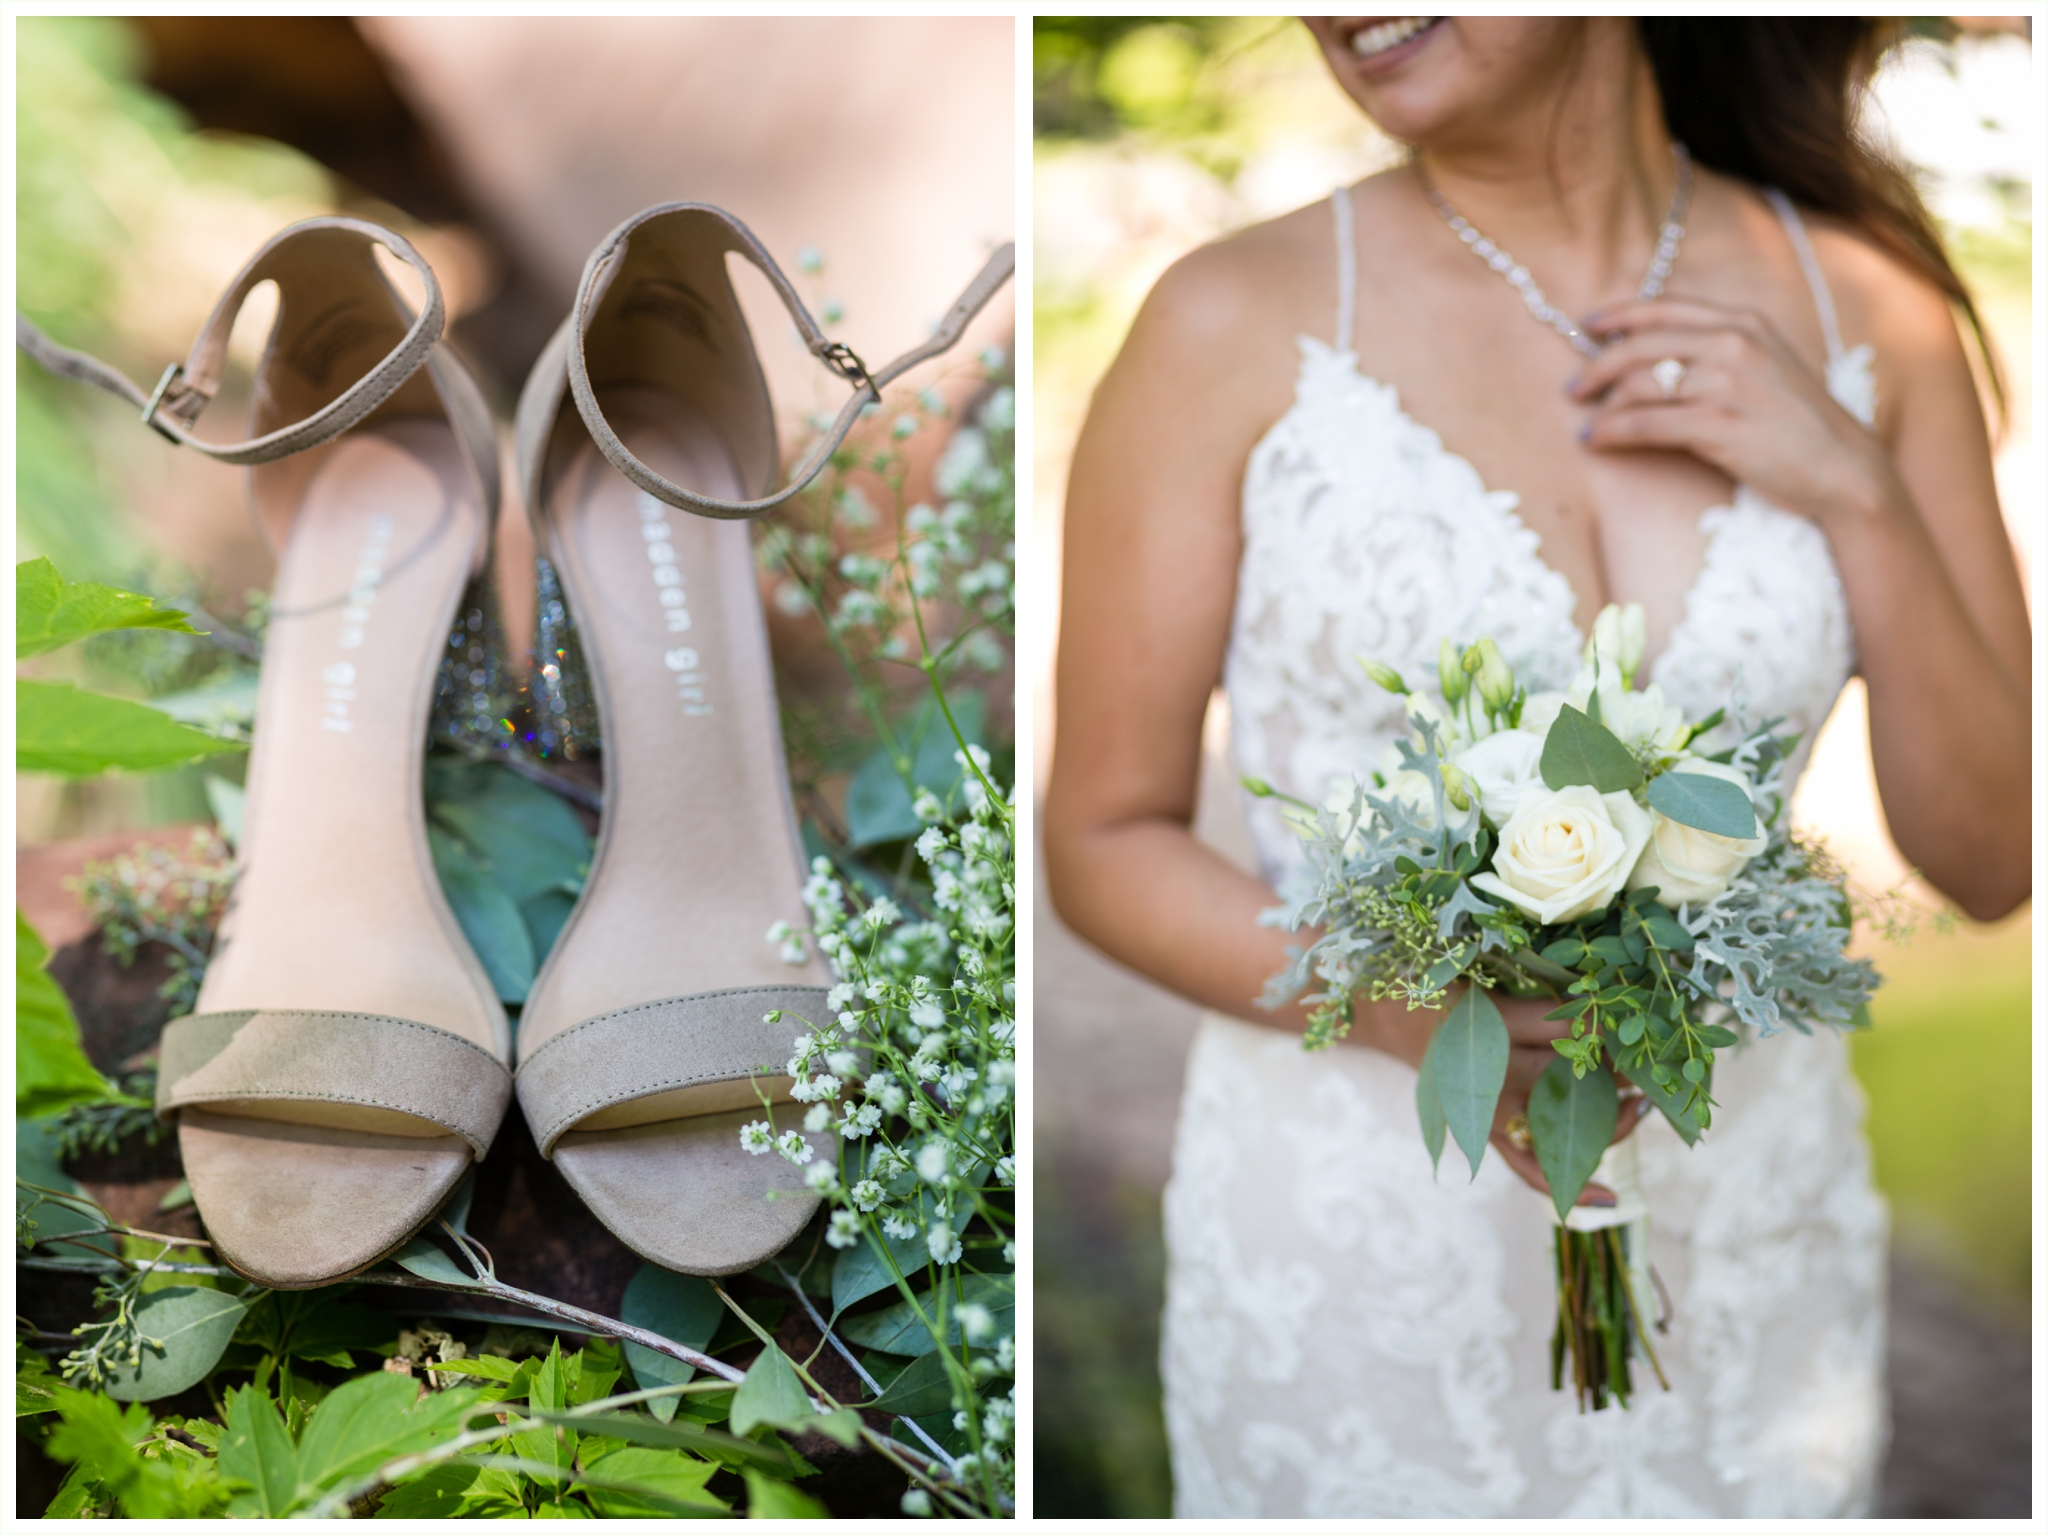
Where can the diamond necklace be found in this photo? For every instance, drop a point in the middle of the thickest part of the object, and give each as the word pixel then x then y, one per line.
pixel 1668 236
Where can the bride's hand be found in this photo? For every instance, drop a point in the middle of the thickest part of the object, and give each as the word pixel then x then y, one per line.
pixel 1744 403
pixel 1404 1034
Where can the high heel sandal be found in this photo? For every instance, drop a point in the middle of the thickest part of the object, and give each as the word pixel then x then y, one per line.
pixel 652 1033
pixel 348 1059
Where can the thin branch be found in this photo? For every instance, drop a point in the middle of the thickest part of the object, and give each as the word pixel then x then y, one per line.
pixel 859 1369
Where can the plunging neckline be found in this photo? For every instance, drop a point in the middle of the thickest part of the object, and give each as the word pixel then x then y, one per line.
pixel 1391 395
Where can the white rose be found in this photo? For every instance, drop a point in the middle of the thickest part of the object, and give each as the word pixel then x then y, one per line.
pixel 1503 767
pixel 1685 863
pixel 1564 854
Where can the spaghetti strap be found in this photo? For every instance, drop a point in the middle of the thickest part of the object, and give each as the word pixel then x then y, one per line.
pixel 1823 300
pixel 1347 266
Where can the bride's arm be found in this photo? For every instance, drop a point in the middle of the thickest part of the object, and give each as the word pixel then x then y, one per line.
pixel 1149 579
pixel 1911 513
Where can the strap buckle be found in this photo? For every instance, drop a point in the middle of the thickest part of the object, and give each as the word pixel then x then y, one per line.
pixel 171 376
pixel 840 358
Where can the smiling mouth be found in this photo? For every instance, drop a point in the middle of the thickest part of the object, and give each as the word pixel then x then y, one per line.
pixel 1370 42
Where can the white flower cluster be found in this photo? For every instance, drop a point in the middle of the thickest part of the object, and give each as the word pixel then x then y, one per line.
pixel 915 1064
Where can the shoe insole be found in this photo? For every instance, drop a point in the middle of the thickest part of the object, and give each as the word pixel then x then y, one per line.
pixel 336 907
pixel 699 853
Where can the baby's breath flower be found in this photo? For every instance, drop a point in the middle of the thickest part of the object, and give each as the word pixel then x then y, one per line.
pixel 866 1194
pixel 941 1243
pixel 794 1147
pixel 844 1231
pixel 899 1225
pixel 758 1136
pixel 822 1177
pixel 818 1118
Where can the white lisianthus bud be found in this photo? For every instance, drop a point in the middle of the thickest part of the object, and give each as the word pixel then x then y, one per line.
pixel 1617 640
pixel 1687 864
pixel 1496 678
pixel 1450 672
pixel 1566 854
pixel 1456 785
pixel 1384 675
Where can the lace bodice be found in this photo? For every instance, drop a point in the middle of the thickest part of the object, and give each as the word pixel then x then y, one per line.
pixel 1365 536
pixel 1347 1336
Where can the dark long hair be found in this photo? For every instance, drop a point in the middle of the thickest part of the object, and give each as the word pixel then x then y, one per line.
pixel 1772 99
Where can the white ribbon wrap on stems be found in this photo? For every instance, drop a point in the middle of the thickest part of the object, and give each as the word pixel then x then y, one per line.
pixel 1621 1170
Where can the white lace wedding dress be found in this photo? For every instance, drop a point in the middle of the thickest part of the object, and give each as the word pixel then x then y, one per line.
pixel 1346 1336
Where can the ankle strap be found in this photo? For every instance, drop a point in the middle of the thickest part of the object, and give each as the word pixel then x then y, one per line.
pixel 835 355
pixel 187 388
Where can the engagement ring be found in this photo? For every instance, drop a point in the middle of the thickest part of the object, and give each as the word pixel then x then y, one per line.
pixel 1669 374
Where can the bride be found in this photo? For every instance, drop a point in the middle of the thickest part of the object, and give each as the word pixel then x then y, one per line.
pixel 1727 385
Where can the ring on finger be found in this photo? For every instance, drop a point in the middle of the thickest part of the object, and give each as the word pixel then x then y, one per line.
pixel 1669 374
pixel 1517 1132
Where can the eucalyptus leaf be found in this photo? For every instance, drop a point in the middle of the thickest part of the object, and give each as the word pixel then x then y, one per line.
pixel 421 1257
pixel 489 919
pixel 528 839
pixel 921 1388
pixel 1580 750
pixel 50 611
pixel 1429 1108
pixel 680 1307
pixel 898 1330
pixel 192 1326
pixel 1671 1102
pixel 878 805
pixel 1468 1060
pixel 860 1271
pixel 1571 1120
pixel 1705 803
pixel 64 730
pixel 225 701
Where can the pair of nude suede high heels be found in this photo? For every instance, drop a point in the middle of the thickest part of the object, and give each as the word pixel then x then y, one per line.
pixel 349 1059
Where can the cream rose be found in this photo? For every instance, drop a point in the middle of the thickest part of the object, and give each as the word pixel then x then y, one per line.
pixel 1564 854
pixel 1638 720
pixel 1503 767
pixel 1685 863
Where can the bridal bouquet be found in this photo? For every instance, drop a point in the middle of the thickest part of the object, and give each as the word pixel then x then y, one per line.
pixel 1579 847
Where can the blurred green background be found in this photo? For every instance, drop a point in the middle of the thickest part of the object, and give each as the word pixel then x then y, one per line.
pixel 1156 133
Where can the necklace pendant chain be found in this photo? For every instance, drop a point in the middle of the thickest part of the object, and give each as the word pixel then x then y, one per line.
pixel 1661 260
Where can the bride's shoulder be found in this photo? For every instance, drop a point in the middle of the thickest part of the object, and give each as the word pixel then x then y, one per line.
pixel 1274 280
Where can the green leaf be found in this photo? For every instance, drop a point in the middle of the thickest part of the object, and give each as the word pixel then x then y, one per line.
pixel 35 1387
pixel 1468 1060
pixel 860 1270
pixel 192 1326
pixel 1579 750
pixel 1668 934
pixel 374 1418
pixel 421 1257
pixel 35 1161
pixel 770 1394
pixel 456 1489
pixel 63 730
pixel 258 1451
pixel 76 1494
pixel 921 1388
pixel 1429 1108
pixel 488 916
pixel 317 1325
pixel 50 1069
pixel 50 611
pixel 770 1499
pixel 682 1308
pixel 1704 802
pixel 1670 1099
pixel 1611 949
pixel 679 1435
pixel 1571 1120
pixel 898 1330
pixel 224 703
pixel 634 1482
pixel 527 838
pixel 877 803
